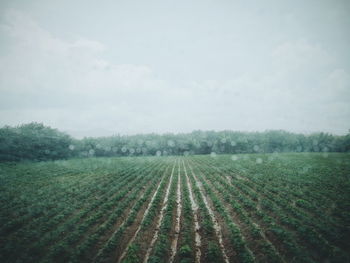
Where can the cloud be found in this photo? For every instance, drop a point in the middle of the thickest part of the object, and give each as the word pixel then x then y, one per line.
pixel 44 77
pixel 28 33
pixel 75 86
pixel 337 85
pixel 300 55
pixel 44 64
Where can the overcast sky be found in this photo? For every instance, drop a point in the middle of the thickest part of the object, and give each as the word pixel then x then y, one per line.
pixel 94 68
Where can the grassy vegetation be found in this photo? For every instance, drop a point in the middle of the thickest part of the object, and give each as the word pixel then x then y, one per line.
pixel 290 207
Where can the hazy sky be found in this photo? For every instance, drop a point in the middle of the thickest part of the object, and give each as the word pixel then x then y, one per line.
pixel 94 68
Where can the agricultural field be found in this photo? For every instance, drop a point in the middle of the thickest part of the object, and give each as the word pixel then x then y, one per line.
pixel 291 207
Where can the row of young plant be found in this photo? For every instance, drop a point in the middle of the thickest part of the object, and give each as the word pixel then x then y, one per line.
pixel 37 228
pixel 15 175
pixel 310 228
pixel 242 252
pixel 296 178
pixel 187 245
pixel 313 213
pixel 162 247
pixel 210 249
pixel 252 234
pixel 272 185
pixel 114 241
pixel 298 190
pixel 33 228
pixel 143 239
pixel 126 248
pixel 107 199
pixel 30 202
pixel 307 228
pixel 304 233
pixel 42 174
pixel 125 214
pixel 51 199
pixel 284 238
pixel 318 228
pixel 118 205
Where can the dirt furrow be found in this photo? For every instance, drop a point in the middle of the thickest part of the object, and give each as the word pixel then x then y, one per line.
pixel 178 218
pixel 164 206
pixel 263 235
pixel 195 217
pixel 124 220
pixel 253 242
pixel 217 227
pixel 140 225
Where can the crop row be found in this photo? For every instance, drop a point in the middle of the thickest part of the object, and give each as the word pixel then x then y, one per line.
pixel 285 222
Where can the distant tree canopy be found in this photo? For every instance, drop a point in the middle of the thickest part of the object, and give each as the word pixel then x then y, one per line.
pixel 34 141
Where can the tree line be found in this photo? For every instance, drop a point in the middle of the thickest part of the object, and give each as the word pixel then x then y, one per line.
pixel 35 141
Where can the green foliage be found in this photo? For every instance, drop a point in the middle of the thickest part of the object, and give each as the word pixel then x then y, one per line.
pixel 294 208
pixel 185 251
pixel 34 141
pixel 291 207
pixel 214 253
pixel 131 255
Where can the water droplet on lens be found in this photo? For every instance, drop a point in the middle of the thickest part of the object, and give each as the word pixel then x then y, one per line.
pixel 259 160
